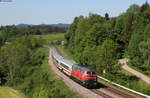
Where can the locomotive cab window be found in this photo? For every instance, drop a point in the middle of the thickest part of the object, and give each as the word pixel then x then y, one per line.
pixel 90 73
pixel 79 68
pixel 93 73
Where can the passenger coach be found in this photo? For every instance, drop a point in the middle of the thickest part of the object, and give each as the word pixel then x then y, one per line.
pixel 62 63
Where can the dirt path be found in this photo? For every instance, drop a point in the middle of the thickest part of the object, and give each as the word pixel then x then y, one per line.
pixel 134 72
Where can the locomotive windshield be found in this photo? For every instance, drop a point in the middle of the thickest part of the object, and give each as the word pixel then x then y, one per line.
pixel 91 73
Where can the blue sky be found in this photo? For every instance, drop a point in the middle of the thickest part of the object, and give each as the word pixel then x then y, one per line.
pixel 59 11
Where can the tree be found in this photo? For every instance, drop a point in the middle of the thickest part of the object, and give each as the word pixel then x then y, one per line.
pixel 128 29
pixel 133 9
pixel 88 57
pixel 107 57
pixel 3 38
pixel 14 57
pixel 97 34
pixel 144 48
pixel 70 35
pixel 144 7
pixel 107 16
pixel 95 18
pixel 133 48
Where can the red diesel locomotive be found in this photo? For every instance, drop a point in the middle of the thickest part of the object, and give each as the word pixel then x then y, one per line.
pixel 86 76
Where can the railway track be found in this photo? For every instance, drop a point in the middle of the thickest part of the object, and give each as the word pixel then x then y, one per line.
pixel 96 91
pixel 124 95
pixel 115 91
pixel 106 88
pixel 100 93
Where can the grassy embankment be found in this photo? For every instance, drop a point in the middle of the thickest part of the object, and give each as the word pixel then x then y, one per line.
pixel 7 92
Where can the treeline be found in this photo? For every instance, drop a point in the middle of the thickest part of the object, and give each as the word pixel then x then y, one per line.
pixel 42 29
pixel 7 33
pixel 99 42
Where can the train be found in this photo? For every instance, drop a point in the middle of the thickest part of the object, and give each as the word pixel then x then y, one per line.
pixel 84 75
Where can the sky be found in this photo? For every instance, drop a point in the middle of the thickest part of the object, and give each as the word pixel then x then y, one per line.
pixel 58 11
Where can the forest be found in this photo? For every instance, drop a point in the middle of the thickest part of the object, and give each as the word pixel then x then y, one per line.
pixel 99 41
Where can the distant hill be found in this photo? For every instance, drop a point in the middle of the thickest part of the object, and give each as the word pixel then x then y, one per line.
pixel 23 25
pixel 60 25
pixel 57 25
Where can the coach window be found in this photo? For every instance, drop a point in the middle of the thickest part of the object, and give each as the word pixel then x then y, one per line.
pixel 65 66
pixel 56 61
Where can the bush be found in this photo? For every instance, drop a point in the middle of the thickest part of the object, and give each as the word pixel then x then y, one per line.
pixel 37 57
